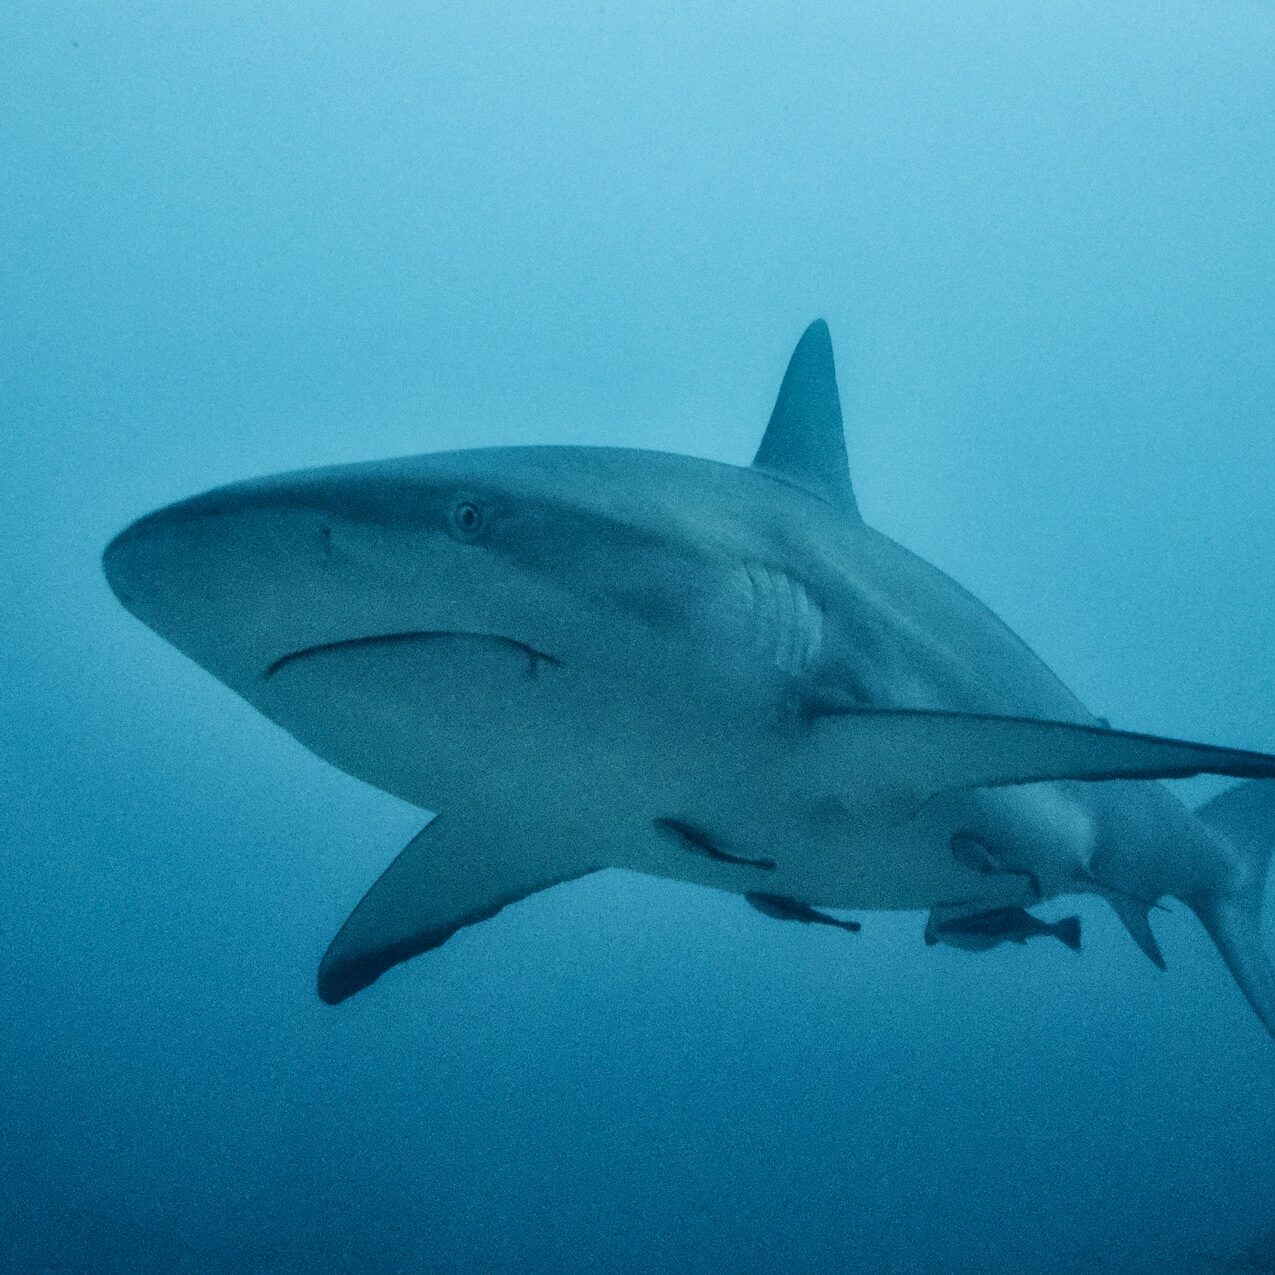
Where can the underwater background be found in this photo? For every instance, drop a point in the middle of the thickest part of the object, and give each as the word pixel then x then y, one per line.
pixel 238 238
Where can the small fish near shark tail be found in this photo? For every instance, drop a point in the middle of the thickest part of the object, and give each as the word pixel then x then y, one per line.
pixel 1243 818
pixel 1067 932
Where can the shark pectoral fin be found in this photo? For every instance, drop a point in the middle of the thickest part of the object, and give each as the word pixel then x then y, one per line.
pixel 445 879
pixel 886 763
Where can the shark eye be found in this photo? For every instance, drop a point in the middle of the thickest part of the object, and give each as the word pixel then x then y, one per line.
pixel 466 520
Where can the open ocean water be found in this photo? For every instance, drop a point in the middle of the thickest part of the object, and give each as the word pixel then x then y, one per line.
pixel 242 238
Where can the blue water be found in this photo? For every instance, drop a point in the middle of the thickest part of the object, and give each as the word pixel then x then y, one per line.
pixel 238 238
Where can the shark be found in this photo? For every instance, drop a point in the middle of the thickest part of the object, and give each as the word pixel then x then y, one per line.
pixel 582 658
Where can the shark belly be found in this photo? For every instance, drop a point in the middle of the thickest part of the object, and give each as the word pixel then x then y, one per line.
pixel 449 723
pixel 683 772
pixel 765 839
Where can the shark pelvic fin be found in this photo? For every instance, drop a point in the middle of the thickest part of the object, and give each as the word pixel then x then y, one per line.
pixel 1133 914
pixel 444 880
pixel 884 764
pixel 805 440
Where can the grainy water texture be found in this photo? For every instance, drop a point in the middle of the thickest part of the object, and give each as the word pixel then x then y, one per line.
pixel 242 238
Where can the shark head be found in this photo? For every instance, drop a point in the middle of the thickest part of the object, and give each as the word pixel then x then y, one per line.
pixel 523 546
pixel 385 610
pixel 254 579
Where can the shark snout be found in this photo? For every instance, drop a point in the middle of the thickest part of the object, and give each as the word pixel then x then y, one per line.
pixel 241 577
pixel 225 576
pixel 187 545
pixel 162 549
pixel 125 560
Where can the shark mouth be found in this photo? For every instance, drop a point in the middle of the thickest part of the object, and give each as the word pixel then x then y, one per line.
pixel 535 659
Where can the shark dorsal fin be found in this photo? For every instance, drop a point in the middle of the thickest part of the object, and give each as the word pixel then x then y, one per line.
pixel 805 441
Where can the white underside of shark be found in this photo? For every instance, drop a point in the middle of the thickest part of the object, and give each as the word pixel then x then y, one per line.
pixel 586 658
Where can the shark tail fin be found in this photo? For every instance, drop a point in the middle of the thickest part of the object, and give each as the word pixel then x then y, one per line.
pixel 1243 817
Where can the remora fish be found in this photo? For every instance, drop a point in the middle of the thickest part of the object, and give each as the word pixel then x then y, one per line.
pixel 589 657
pixel 982 931
pixel 783 909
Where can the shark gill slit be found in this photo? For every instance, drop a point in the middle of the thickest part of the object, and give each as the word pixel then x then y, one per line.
pixel 698 841
pixel 787 623
pixel 534 658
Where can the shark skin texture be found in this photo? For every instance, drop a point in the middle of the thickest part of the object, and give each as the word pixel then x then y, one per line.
pixel 587 658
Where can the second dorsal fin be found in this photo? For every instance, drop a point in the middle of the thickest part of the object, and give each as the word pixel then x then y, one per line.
pixel 805 441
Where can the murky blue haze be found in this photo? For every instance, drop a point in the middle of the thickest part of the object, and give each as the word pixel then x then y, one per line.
pixel 238 238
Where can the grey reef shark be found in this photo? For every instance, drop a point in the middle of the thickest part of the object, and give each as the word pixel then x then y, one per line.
pixel 586 658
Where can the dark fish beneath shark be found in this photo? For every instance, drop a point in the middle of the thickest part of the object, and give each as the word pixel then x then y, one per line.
pixel 983 931
pixel 784 909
